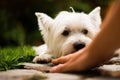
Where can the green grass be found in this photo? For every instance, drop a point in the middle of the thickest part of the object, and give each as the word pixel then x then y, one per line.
pixel 10 57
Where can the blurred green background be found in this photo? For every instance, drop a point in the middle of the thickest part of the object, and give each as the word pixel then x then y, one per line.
pixel 18 24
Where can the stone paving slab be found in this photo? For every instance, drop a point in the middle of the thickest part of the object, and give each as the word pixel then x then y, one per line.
pixel 22 74
pixel 38 67
pixel 63 76
pixel 32 71
pixel 110 70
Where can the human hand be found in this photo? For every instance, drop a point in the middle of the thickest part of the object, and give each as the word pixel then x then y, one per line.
pixel 70 63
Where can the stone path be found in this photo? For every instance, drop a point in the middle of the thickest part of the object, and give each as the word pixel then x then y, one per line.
pixel 31 71
pixel 22 74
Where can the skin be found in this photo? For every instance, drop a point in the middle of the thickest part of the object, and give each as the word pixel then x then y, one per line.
pixel 101 49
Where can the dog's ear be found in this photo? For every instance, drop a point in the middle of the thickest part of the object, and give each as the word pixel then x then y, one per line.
pixel 95 16
pixel 44 21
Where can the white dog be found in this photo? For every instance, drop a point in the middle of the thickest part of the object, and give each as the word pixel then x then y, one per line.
pixel 67 33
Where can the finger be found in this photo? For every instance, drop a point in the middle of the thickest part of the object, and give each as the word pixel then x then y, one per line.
pixel 59 68
pixel 60 60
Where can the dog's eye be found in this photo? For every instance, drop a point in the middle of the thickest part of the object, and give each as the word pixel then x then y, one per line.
pixel 65 33
pixel 84 31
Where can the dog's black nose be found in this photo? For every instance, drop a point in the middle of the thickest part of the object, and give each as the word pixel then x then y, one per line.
pixel 78 45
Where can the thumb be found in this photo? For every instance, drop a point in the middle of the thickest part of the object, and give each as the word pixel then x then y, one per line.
pixel 59 68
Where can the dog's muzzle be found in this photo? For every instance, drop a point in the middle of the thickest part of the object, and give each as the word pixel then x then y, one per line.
pixel 78 45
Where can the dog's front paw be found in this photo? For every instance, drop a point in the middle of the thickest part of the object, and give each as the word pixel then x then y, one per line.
pixel 43 58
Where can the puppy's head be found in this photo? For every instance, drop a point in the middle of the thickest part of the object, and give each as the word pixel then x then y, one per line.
pixel 69 31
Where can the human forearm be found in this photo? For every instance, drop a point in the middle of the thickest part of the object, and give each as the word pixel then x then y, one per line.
pixel 108 40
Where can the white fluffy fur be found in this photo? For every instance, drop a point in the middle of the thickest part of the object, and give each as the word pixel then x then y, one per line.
pixel 58 45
